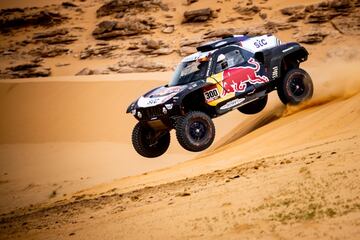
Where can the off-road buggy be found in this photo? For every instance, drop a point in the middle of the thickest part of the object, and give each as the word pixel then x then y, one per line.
pixel 236 72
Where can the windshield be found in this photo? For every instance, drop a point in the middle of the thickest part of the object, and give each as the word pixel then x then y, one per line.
pixel 187 72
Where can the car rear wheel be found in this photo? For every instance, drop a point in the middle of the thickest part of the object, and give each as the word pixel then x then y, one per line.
pixel 148 142
pixel 296 87
pixel 254 107
pixel 195 131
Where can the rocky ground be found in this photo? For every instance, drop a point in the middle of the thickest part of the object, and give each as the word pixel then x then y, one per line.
pixel 74 38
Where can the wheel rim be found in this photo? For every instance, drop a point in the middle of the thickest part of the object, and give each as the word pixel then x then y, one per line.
pixel 297 85
pixel 197 130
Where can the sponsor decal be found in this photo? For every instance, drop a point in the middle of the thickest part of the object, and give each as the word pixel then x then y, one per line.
pixel 153 101
pixel 159 96
pixel 211 94
pixel 232 103
pixel 235 79
pixel 275 72
pixel 260 43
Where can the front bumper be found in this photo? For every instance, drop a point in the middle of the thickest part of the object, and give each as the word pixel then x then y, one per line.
pixel 158 112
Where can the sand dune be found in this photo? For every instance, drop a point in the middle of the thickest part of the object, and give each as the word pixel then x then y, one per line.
pixel 64 134
pixel 298 160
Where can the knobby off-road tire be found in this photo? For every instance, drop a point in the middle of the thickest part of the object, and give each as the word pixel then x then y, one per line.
pixel 145 143
pixel 255 106
pixel 296 87
pixel 195 131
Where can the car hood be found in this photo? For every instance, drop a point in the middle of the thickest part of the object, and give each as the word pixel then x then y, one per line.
pixel 159 95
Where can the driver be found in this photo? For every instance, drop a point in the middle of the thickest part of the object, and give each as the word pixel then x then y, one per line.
pixel 221 62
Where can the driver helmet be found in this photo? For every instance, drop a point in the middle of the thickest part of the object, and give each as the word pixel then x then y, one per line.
pixel 222 60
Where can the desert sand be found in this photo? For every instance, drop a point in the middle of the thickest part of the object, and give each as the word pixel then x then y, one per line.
pixel 68 169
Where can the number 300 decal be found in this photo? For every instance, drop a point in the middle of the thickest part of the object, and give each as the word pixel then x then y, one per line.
pixel 211 95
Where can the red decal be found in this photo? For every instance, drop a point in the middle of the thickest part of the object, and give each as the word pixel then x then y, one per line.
pixel 235 79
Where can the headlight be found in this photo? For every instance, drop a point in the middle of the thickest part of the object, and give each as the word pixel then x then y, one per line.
pixel 169 106
pixel 133 112
pixel 139 114
pixel 164 110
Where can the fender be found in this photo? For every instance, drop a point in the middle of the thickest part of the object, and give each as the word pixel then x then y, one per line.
pixel 191 89
pixel 274 57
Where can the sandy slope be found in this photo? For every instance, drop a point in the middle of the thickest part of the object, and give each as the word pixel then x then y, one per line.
pixel 306 188
pixel 255 183
pixel 64 134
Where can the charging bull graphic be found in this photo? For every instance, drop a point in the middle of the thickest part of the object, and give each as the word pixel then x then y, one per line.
pixel 236 78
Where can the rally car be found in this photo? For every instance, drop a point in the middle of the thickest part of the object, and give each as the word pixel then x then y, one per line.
pixel 236 72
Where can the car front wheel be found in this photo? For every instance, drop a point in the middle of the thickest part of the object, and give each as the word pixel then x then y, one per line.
pixel 195 131
pixel 148 142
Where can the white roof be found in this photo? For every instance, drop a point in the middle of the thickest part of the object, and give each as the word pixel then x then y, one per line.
pixel 252 44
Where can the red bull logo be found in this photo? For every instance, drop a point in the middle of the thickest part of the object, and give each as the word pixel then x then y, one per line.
pixel 236 78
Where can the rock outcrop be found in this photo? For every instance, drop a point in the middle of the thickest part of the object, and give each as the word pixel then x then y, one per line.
pixel 138 65
pixel 312 37
pixel 130 6
pixel 48 52
pixel 26 70
pixel 200 15
pixel 14 18
pixel 344 15
pixel 58 36
pixel 248 10
pixel 99 51
pixel 128 27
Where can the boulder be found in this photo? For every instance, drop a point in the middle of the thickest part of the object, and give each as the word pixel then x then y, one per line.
pixel 105 26
pixel 189 2
pixel 290 11
pixel 200 15
pixel 152 44
pixel 154 48
pixel 132 6
pixel 168 29
pixel 85 71
pixel 127 27
pixel 68 5
pixel 101 51
pixel 247 11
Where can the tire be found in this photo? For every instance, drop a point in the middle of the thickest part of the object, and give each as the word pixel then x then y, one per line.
pixel 296 87
pixel 255 106
pixel 195 131
pixel 147 144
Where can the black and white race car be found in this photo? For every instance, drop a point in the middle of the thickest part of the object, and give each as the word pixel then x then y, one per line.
pixel 236 72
